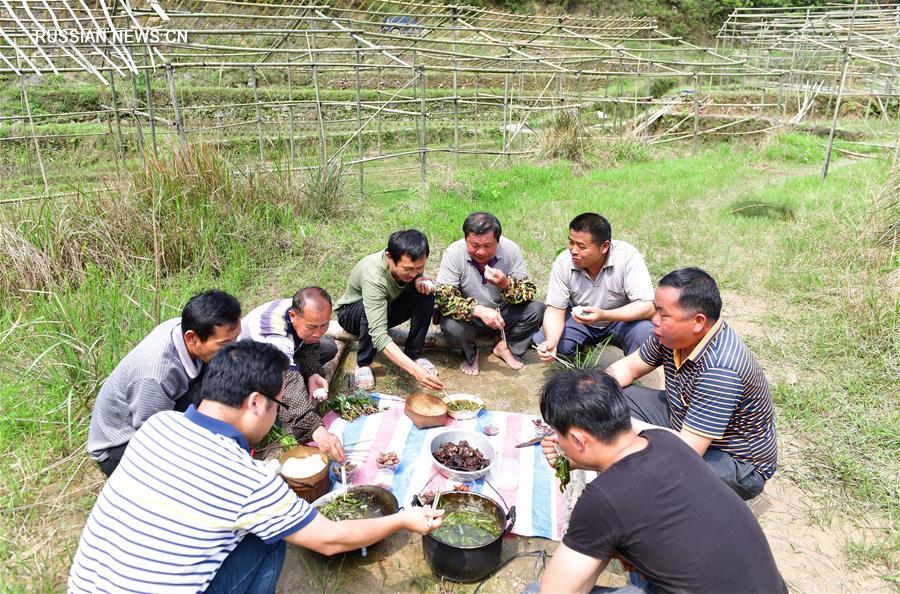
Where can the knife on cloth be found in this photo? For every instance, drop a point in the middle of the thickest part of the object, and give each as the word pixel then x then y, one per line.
pixel 531 442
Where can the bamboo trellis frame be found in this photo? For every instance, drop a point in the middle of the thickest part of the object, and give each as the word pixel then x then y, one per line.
pixel 301 66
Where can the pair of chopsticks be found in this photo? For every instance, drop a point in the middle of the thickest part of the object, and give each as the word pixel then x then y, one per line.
pixel 560 360
pixel 434 502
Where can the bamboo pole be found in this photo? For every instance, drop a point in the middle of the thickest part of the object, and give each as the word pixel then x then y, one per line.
pixel 454 10
pixel 291 154
pixel 148 94
pixel 837 102
pixel 378 121
pixel 696 82
pixel 173 94
pixel 423 139
pixel 359 127
pixel 37 146
pixel 120 141
pixel 259 130
pixel 138 128
pixel 323 148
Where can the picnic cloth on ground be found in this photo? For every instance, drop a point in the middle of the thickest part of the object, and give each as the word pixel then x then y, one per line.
pixel 520 475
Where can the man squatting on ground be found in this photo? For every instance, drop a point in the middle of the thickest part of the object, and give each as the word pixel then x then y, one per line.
pixel 655 504
pixel 297 328
pixel 598 289
pixel 156 375
pixel 189 510
pixel 386 289
pixel 483 288
pixel 716 398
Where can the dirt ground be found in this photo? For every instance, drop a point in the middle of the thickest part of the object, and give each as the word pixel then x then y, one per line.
pixel 809 556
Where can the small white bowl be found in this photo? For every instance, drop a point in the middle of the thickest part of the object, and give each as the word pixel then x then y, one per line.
pixel 463 415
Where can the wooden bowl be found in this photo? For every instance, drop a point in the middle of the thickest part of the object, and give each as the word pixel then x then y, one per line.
pixel 308 488
pixel 426 411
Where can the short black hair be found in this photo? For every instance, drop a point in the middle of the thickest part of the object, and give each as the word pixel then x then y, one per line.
pixel 408 242
pixel 241 368
pixel 313 295
pixel 589 399
pixel 479 223
pixel 596 225
pixel 204 311
pixel 697 291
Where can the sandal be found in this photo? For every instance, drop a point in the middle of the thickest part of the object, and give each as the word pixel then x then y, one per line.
pixel 427 366
pixel 364 378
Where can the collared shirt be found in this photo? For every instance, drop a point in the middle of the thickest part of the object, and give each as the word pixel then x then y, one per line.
pixel 150 378
pixel 271 323
pixel 371 280
pixel 719 391
pixel 185 494
pixel 459 270
pixel 623 279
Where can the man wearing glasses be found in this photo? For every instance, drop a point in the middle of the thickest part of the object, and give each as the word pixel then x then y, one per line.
pixel 189 510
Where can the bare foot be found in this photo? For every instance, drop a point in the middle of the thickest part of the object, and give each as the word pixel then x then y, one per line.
pixel 470 369
pixel 502 351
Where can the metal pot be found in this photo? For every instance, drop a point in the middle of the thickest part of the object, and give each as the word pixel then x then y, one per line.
pixel 384 501
pixel 472 563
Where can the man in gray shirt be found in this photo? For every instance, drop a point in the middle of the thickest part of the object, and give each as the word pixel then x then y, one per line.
pixel 484 290
pixel 599 290
pixel 158 371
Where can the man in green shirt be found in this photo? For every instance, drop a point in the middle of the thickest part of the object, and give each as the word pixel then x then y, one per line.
pixel 386 289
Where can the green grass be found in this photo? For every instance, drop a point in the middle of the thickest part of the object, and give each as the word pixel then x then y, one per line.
pixel 829 319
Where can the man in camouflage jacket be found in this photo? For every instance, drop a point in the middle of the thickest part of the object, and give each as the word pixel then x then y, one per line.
pixel 484 290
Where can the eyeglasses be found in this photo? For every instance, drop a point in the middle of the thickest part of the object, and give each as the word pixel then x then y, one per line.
pixel 279 403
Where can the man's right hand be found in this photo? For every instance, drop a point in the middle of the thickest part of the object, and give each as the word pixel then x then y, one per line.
pixel 491 317
pixel 547 351
pixel 427 379
pixel 422 520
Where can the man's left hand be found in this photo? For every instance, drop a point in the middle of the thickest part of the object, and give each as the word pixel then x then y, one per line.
pixel 329 444
pixel 589 315
pixel 317 382
pixel 425 285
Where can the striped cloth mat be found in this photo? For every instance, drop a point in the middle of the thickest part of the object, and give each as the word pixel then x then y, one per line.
pixel 521 476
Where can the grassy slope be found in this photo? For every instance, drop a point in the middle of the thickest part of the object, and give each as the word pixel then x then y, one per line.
pixel 828 321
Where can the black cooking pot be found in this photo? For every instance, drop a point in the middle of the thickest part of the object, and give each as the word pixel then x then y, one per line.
pixel 472 563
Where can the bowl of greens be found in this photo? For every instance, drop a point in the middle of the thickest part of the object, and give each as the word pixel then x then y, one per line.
pixel 463 406
pixel 357 503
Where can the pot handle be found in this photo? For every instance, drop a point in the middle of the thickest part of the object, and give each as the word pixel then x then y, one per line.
pixel 510 519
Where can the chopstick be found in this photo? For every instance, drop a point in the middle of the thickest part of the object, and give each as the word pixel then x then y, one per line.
pixel 434 502
pixel 563 362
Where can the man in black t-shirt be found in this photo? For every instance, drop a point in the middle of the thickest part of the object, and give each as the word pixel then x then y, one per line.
pixel 656 505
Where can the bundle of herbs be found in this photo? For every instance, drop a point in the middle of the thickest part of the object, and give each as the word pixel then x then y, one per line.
pixel 346 507
pixel 464 527
pixel 350 405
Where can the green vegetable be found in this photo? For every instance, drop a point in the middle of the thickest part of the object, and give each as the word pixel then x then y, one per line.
pixel 350 405
pixel 345 507
pixel 460 405
pixel 467 528
pixel 563 471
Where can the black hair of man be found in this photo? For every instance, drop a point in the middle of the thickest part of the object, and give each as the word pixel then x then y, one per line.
pixel 596 225
pixel 588 399
pixel 316 297
pixel 408 242
pixel 241 368
pixel 479 223
pixel 697 291
pixel 204 311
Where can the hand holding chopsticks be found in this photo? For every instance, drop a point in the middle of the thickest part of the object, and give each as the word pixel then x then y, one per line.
pixel 561 361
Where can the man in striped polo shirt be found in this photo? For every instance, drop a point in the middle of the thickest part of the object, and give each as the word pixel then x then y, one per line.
pixel 716 398
pixel 189 510
pixel 297 328
pixel 158 373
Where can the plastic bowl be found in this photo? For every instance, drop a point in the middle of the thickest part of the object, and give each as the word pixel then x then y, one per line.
pixel 463 415
pixel 476 440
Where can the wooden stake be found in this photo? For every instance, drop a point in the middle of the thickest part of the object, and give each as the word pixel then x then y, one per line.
pixel 148 93
pixel 423 140
pixel 290 125
pixel 115 105
pixel 696 81
pixel 138 129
